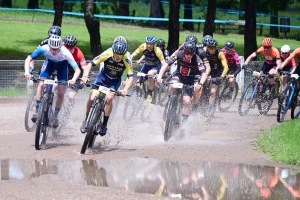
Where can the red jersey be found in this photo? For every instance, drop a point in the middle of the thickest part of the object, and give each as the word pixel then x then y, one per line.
pixel 292 62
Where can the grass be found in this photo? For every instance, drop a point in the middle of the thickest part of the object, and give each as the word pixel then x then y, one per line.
pixel 12 92
pixel 282 142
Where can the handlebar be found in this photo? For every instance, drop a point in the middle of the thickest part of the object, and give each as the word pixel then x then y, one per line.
pixel 107 90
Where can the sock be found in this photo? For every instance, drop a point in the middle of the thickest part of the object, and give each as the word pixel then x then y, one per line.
pixel 105 120
pixel 56 112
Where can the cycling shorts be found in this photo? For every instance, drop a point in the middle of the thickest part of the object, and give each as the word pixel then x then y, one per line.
pixel 267 67
pixel 49 67
pixel 187 80
pixel 107 82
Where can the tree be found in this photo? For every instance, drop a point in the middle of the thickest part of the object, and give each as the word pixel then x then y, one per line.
pixel 6 3
pixel 241 17
pixel 59 9
pixel 173 25
pixel 274 20
pixel 250 28
pixel 188 14
pixel 93 26
pixel 210 18
pixel 123 8
pixel 32 4
pixel 156 11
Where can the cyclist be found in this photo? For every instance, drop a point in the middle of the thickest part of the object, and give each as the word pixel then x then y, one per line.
pixel 284 54
pixel 233 61
pixel 70 42
pixel 57 58
pixel 295 53
pixel 115 62
pixel 190 71
pixel 272 60
pixel 154 60
pixel 205 39
pixel 189 38
pixel 218 65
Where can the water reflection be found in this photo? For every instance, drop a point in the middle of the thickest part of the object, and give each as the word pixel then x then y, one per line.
pixel 164 178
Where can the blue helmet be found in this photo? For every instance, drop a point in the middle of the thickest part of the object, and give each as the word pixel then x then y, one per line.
pixel 205 39
pixel 54 30
pixel 212 43
pixel 119 47
pixel 150 39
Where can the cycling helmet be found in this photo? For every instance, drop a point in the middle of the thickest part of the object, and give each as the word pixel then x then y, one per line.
pixel 54 30
pixel 191 38
pixel 229 45
pixel 160 43
pixel 119 47
pixel 267 42
pixel 55 42
pixel 205 39
pixel 150 39
pixel 189 46
pixel 285 48
pixel 120 38
pixel 212 43
pixel 70 40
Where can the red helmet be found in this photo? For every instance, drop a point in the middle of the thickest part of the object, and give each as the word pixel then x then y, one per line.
pixel 267 42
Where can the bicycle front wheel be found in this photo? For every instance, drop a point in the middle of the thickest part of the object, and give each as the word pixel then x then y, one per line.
pixel 42 125
pixel 163 94
pixel 247 100
pixel 30 110
pixel 266 100
pixel 170 118
pixel 283 104
pixel 227 97
pixel 295 107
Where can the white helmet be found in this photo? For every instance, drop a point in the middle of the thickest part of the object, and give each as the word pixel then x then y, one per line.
pixel 285 48
pixel 55 42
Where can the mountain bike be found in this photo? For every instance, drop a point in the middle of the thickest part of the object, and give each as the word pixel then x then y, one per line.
pixel 163 88
pixel 295 104
pixel 287 96
pixel 258 92
pixel 31 106
pixel 45 112
pixel 172 112
pixel 228 96
pixel 95 117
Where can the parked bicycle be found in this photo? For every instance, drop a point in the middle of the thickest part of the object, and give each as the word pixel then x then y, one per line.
pixel 287 96
pixel 172 113
pixel 258 92
pixel 95 117
pixel 227 96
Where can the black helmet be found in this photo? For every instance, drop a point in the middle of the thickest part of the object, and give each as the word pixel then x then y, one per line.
pixel 54 30
pixel 229 45
pixel 160 43
pixel 70 40
pixel 189 47
pixel 150 39
pixel 212 43
pixel 119 47
pixel 192 38
pixel 205 39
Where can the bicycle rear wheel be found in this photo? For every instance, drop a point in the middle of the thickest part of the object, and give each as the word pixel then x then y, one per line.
pixel 42 125
pixel 132 107
pixel 30 110
pixel 283 104
pixel 247 100
pixel 265 102
pixel 93 117
pixel 171 118
pixel 163 94
pixel 295 106
pixel 227 97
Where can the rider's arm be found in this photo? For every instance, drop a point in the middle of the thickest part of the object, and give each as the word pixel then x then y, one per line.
pixel 223 60
pixel 253 55
pixel 139 50
pixel 141 59
pixel 39 51
pixel 207 68
pixel 27 65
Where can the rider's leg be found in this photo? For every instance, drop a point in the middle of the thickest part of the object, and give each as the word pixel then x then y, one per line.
pixel 89 104
pixel 213 92
pixel 186 106
pixel 151 81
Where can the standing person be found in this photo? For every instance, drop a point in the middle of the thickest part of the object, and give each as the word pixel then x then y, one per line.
pixel 154 60
pixel 115 62
pixel 272 60
pixel 57 58
pixel 190 71
pixel 233 61
pixel 70 42
pixel 290 66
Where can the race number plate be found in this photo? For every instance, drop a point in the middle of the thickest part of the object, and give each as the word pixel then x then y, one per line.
pixel 104 90
pixel 296 76
pixel 50 82
pixel 141 74
pixel 177 85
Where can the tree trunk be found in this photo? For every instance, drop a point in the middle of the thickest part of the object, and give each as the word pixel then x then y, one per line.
pixel 156 11
pixel 173 25
pixel 242 17
pixel 188 14
pixel 32 4
pixel 6 3
pixel 250 29
pixel 59 8
pixel 210 18
pixel 93 26
pixel 124 7
pixel 274 20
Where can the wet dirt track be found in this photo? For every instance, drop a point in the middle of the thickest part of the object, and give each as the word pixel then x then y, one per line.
pixel 228 138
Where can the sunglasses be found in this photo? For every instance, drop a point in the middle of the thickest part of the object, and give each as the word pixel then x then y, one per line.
pixel 284 53
pixel 267 47
pixel 188 53
pixel 228 50
pixel 212 48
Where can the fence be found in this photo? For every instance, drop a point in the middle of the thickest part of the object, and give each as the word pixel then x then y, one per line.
pixel 12 75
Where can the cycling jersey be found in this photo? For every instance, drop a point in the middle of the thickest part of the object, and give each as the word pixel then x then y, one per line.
pixel 152 58
pixel 165 52
pixel 295 53
pixel 217 62
pixel 270 58
pixel 233 61
pixel 80 60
